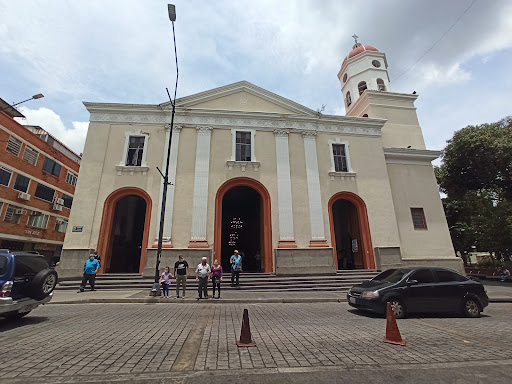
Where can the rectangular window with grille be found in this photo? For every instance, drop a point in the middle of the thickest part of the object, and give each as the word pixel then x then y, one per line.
pixel 21 183
pixel 13 146
pixel 38 220
pixel 135 151
pixel 51 166
pixel 61 225
pixel 71 178
pixel 243 146
pixel 68 200
pixel 5 176
pixel 340 158
pixel 44 192
pixel 30 155
pixel 418 218
pixel 12 214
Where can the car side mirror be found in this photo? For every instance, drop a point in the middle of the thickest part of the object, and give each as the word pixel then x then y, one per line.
pixel 412 282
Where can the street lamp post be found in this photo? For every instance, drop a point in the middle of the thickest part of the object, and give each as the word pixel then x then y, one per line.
pixel 35 97
pixel 155 291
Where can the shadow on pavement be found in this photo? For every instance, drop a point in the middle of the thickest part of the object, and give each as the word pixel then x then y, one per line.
pixel 418 315
pixel 7 324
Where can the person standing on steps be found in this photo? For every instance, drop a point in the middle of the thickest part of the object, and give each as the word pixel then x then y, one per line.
pixel 165 280
pixel 236 268
pixel 202 276
pixel 181 271
pixel 91 267
pixel 216 277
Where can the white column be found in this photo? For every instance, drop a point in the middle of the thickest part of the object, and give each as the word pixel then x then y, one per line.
pixel 315 200
pixel 284 190
pixel 169 202
pixel 200 203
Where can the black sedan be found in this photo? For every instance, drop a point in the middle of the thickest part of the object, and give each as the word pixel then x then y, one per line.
pixel 420 289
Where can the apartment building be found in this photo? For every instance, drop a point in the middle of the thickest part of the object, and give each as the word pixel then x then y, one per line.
pixel 38 175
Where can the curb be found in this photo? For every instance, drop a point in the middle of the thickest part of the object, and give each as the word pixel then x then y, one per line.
pixel 195 301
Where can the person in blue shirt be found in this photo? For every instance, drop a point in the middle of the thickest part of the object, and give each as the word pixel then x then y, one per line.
pixel 91 266
pixel 236 268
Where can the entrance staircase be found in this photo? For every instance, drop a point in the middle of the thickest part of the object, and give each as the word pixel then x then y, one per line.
pixel 254 282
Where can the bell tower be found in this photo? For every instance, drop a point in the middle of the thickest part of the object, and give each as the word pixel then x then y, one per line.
pixel 363 68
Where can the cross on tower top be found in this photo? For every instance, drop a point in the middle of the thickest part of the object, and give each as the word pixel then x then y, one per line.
pixel 355 37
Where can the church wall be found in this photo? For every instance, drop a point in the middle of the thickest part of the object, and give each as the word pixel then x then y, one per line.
pixel 415 186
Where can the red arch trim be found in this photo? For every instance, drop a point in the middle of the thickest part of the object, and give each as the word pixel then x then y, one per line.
pixel 267 221
pixel 364 227
pixel 108 218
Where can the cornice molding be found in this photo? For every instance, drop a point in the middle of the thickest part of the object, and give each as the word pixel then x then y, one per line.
pixel 410 156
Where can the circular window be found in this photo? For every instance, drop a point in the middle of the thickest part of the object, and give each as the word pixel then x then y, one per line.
pixel 376 63
pixel 345 77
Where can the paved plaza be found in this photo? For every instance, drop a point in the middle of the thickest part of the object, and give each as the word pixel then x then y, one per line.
pixel 197 343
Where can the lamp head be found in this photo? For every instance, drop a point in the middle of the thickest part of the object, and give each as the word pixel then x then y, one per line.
pixel 172 12
pixel 38 96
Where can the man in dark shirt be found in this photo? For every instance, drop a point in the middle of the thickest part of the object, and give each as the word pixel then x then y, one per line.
pixel 181 271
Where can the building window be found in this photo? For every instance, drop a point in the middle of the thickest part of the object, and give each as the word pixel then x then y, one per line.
pixel 340 158
pixel 243 146
pixel 345 78
pixel 380 85
pixel 5 176
pixel 13 214
pixel 21 183
pixel 44 192
pixel 348 99
pixel 362 87
pixel 51 166
pixel 30 155
pixel 418 218
pixel 376 63
pixel 71 178
pixel 61 225
pixel 38 220
pixel 13 146
pixel 68 200
pixel 365 115
pixel 135 151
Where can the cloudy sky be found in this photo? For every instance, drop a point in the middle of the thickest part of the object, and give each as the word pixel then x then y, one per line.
pixel 121 51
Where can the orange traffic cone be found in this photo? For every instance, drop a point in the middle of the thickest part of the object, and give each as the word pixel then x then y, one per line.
pixel 245 334
pixel 392 333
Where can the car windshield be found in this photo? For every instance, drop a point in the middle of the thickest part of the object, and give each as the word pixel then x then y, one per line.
pixel 391 275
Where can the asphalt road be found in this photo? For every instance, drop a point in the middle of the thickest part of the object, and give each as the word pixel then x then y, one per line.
pixel 301 343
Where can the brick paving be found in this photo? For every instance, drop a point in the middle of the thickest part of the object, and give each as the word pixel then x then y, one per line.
pixel 114 339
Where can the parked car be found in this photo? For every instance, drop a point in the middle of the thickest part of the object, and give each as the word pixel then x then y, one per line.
pixel 26 281
pixel 420 289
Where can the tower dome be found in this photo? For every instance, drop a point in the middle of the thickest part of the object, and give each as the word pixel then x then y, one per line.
pixel 364 68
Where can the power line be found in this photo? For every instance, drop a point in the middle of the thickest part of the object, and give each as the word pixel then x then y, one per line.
pixel 441 38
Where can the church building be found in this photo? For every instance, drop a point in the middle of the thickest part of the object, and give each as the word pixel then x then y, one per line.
pixel 295 191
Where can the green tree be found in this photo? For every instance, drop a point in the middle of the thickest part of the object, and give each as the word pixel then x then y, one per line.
pixel 476 176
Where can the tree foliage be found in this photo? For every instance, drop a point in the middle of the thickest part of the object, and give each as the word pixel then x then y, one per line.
pixel 476 176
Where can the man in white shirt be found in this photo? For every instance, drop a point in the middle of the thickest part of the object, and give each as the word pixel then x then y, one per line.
pixel 203 271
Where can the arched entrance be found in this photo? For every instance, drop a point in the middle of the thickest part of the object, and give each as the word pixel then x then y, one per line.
pixel 124 231
pixel 242 222
pixel 350 232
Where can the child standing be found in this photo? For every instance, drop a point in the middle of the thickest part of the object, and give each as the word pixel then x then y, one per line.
pixel 216 277
pixel 165 280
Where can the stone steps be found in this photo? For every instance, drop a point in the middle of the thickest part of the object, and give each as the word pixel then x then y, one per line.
pixel 341 281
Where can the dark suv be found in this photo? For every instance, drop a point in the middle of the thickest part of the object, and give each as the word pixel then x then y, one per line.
pixel 420 289
pixel 26 281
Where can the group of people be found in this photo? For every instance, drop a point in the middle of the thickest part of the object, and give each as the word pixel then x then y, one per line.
pixel 204 273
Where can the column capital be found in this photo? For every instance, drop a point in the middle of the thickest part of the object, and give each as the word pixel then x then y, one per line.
pixel 175 127
pixel 204 130
pixel 309 134
pixel 281 132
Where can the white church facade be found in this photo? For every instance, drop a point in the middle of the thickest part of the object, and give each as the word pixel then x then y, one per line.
pixel 294 190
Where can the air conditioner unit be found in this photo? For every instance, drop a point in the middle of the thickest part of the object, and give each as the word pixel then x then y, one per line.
pixel 59 201
pixel 57 207
pixel 23 196
pixel 19 211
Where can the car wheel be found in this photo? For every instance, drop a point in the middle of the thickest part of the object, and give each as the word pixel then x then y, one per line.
pixel 471 308
pixel 15 315
pixel 43 284
pixel 398 308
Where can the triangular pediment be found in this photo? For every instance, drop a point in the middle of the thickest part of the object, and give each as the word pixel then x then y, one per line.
pixel 242 96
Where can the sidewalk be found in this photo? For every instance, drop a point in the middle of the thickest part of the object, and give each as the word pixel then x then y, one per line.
pixel 497 292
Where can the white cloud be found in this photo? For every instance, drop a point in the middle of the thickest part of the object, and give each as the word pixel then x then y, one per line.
pixel 47 119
